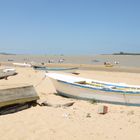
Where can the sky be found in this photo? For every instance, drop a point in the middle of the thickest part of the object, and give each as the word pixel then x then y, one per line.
pixel 69 26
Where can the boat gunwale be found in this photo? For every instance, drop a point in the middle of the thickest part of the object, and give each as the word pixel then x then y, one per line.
pixel 55 69
pixel 78 79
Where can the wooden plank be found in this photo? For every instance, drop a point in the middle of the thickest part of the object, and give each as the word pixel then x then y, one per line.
pixel 19 94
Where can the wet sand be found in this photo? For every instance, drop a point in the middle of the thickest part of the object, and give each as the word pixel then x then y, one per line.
pixel 124 60
pixel 78 122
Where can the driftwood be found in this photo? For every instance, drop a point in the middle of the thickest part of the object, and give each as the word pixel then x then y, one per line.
pixel 45 103
pixel 76 73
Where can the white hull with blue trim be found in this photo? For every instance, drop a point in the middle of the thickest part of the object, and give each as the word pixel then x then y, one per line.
pixel 76 87
pixel 49 69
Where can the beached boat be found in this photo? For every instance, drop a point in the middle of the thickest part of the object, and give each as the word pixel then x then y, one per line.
pixel 17 94
pixel 76 87
pixel 108 64
pixel 22 64
pixel 37 67
pixel 6 72
pixel 49 69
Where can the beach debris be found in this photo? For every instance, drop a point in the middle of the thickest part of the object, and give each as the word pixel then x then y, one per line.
pixel 130 112
pixel 66 115
pixel 39 102
pixel 88 115
pixel 68 104
pixel 102 109
pixel 74 108
pixel 121 111
pixel 76 73
pixel 45 103
pixel 93 101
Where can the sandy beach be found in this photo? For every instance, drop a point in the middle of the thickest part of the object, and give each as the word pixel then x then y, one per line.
pixel 69 70
pixel 80 121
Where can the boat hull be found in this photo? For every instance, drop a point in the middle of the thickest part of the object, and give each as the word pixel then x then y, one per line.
pixel 80 92
pixel 47 69
pixel 22 64
pixel 4 73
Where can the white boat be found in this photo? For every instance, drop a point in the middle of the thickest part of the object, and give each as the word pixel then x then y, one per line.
pixel 54 69
pixel 6 72
pixel 76 87
pixel 22 64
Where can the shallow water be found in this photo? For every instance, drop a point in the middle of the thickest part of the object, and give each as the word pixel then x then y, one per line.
pixel 124 60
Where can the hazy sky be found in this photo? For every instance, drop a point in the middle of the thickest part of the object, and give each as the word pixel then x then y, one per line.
pixel 69 26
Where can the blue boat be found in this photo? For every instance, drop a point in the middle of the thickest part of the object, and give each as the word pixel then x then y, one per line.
pixel 50 69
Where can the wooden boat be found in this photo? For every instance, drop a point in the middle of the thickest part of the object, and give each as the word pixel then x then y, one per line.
pixel 17 94
pixel 22 64
pixel 76 87
pixel 36 67
pixel 49 69
pixel 108 64
pixel 5 73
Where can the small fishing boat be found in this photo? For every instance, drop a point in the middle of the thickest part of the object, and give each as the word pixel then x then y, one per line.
pixel 50 69
pixel 37 67
pixel 77 87
pixel 22 64
pixel 6 72
pixel 108 64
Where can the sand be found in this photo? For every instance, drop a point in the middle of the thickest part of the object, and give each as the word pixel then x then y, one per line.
pixel 124 60
pixel 72 123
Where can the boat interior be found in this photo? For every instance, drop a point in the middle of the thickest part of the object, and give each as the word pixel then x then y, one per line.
pixel 107 86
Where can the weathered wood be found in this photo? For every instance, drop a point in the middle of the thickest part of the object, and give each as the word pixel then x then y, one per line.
pixel 17 95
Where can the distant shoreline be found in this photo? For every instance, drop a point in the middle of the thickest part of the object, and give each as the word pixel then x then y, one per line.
pixel 123 53
pixel 120 53
pixel 122 60
pixel 2 53
pixel 88 67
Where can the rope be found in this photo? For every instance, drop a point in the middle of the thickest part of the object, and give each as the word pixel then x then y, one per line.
pixel 40 81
